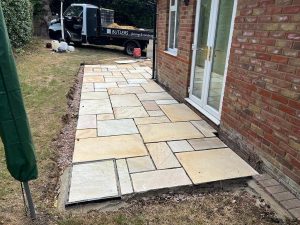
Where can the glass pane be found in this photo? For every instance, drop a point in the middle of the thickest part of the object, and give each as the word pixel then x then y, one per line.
pixel 220 53
pixel 177 24
pixel 172 2
pixel 201 47
pixel 172 27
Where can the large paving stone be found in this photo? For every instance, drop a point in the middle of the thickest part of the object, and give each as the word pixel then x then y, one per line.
pixel 140 164
pixel 159 179
pixel 117 127
pixel 207 143
pixel 126 90
pixel 162 156
pixel 124 100
pixel 114 147
pixel 214 165
pixel 93 79
pixel 93 107
pixel 124 177
pixel 179 112
pixel 155 96
pixel 168 132
pixel 93 181
pixel 152 87
pixel 151 120
pixel 180 146
pixel 94 95
pixel 130 112
pixel 87 87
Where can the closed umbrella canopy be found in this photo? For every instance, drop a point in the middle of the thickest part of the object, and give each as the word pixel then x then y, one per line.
pixel 14 127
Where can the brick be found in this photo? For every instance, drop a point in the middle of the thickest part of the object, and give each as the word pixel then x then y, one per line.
pixel 294 62
pixel 283 2
pixel 293 36
pixel 279 59
pixel 267 183
pixel 291 204
pixel 290 53
pixel 287 69
pixel 283 196
pixel 288 26
pixel 258 11
pixel 263 56
pixel 291 9
pixel 296 45
pixel 276 189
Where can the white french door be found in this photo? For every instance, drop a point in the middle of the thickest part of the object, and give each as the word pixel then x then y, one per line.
pixel 213 33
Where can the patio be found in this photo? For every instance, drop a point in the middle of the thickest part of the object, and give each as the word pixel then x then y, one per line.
pixel 133 137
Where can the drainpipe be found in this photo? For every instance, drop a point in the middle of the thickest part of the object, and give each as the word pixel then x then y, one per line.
pixel 62 20
pixel 154 72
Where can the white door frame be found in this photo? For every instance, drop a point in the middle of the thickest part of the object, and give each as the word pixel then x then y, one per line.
pixel 201 104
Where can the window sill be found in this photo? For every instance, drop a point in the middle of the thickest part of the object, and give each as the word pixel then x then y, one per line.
pixel 172 53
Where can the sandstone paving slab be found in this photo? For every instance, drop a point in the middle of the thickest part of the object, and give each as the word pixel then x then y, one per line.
pixel 137 81
pixel 179 112
pixel 109 116
pixel 124 100
pixel 214 165
pixel 155 96
pixel 105 85
pixel 90 107
pixel 126 90
pixel 130 112
pixel 162 156
pixel 151 120
pixel 207 143
pixel 147 75
pixel 93 79
pixel 87 122
pixel 140 164
pixel 159 179
pixel 168 132
pixel 205 128
pixel 124 177
pixel 115 79
pixel 166 102
pixel 133 76
pixel 152 87
pixel 128 85
pixel 156 113
pixel 87 133
pixel 93 181
pixel 180 146
pixel 116 127
pixel 150 105
pixel 87 87
pixel 113 147
pixel 94 95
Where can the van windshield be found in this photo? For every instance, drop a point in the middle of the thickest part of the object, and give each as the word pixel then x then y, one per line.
pixel 74 11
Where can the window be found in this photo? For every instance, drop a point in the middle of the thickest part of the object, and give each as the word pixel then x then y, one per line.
pixel 173 26
pixel 74 11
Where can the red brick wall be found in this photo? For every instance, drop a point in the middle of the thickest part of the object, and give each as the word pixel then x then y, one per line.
pixel 261 107
pixel 174 72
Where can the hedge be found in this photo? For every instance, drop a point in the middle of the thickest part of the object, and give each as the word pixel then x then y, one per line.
pixel 18 17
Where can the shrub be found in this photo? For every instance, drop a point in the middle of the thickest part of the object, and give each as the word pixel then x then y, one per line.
pixel 18 17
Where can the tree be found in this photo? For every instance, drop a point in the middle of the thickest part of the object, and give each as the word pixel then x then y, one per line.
pixel 41 16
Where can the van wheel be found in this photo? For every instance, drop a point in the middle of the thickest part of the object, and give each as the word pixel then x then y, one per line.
pixel 130 46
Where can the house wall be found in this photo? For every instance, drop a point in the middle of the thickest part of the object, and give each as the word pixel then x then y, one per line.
pixel 261 107
pixel 174 72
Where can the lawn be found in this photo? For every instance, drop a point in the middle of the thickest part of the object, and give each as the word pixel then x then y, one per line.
pixel 46 78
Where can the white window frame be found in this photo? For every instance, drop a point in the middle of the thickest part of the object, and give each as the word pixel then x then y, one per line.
pixel 173 8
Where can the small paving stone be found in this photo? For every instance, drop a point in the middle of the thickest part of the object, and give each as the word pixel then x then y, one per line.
pixel 137 81
pixel 154 96
pixel 93 79
pixel 115 79
pixel 94 95
pixel 87 133
pixel 204 128
pixel 140 164
pixel 125 90
pixel 152 87
pixel 206 143
pixel 283 196
pixel 151 120
pixel 156 113
pixel 124 177
pixel 87 87
pixel 179 112
pixel 180 146
pixel 150 105
pixel 90 107
pixel 295 212
pixel 105 117
pixel 166 102
pixel 291 204
pixel 276 189
pixel 130 112
pixel 87 122
pixel 105 85
pixel 162 156
pixel 267 183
